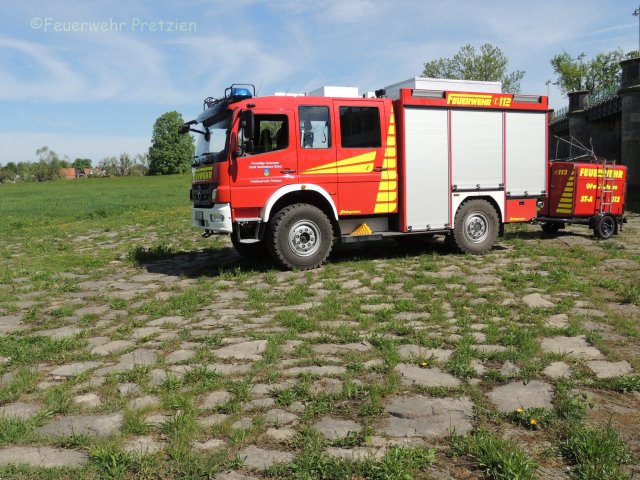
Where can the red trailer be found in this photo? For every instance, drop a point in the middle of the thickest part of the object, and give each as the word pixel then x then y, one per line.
pixel 587 193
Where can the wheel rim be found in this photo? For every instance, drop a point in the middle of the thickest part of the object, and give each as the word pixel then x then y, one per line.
pixel 606 227
pixel 476 227
pixel 304 238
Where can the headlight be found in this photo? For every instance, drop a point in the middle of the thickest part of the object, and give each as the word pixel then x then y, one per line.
pixel 217 218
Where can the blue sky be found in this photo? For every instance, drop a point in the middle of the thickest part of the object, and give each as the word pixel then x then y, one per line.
pixel 93 94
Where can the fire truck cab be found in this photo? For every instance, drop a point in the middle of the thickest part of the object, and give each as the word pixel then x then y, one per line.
pixel 287 176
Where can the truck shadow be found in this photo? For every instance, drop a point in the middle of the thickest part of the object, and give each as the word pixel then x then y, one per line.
pixel 226 261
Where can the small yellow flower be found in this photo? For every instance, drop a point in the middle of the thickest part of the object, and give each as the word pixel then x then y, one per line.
pixel 533 422
pixel 424 364
pixel 520 410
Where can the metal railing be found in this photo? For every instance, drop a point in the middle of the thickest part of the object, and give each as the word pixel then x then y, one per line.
pixel 593 99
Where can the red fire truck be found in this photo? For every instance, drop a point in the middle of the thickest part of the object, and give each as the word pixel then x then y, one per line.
pixel 290 175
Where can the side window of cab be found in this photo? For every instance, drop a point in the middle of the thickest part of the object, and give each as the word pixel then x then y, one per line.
pixel 314 127
pixel 271 133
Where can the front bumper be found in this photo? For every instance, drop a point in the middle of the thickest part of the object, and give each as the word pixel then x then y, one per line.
pixel 216 219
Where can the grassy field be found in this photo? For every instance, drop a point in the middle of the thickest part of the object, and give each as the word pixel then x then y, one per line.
pixel 115 310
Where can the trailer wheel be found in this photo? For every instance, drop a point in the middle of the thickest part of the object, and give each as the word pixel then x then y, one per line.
pixel 476 227
pixel 250 251
pixel 604 226
pixel 300 237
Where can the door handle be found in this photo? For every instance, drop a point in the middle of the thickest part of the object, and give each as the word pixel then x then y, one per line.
pixel 379 169
pixel 287 171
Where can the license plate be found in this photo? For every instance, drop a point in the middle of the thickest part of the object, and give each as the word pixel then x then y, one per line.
pixel 199 215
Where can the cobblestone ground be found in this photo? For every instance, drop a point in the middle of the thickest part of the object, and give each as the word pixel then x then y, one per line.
pixel 386 345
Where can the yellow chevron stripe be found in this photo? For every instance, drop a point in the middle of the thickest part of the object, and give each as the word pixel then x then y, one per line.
pixel 390 152
pixel 358 164
pixel 386 197
pixel 387 186
pixel 385 207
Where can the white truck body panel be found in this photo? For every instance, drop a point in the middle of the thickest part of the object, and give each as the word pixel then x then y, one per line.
pixel 525 156
pixel 333 91
pixel 423 83
pixel 454 154
pixel 427 168
pixel 476 150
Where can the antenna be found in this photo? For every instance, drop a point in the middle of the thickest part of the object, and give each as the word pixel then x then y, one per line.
pixel 258 92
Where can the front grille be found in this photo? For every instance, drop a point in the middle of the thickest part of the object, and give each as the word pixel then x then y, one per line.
pixel 203 194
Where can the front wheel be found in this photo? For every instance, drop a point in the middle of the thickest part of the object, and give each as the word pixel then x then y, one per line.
pixel 476 227
pixel 300 237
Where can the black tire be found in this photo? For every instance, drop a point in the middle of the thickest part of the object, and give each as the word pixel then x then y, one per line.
pixel 250 251
pixel 476 227
pixel 551 227
pixel 604 226
pixel 300 236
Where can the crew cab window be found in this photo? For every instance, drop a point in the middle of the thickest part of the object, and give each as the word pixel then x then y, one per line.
pixel 314 127
pixel 271 134
pixel 360 127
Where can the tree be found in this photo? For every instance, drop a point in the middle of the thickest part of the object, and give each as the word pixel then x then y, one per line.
pixel 600 73
pixel 81 163
pixel 170 152
pixel 488 64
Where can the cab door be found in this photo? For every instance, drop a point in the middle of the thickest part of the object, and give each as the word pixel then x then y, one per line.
pixel 269 162
pixel 316 147
pixel 359 154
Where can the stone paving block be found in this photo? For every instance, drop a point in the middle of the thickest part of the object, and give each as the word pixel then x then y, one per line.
pixel 213 399
pixel 320 371
pixel 575 346
pixel 604 369
pixel 334 428
pixel 108 348
pixel 46 457
pixel 87 400
pixel 428 377
pixel 73 369
pixel 557 370
pixel 421 416
pixel 142 446
pixel 98 426
pixel 261 459
pixel 137 358
pixel 409 351
pixel 179 356
pixel 212 444
pixel 211 420
pixel 21 410
pixel 510 397
pixel 243 351
pixel 281 417
pixel 535 300
pixel 341 347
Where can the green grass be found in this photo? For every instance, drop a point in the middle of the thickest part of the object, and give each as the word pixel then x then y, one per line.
pixel 499 458
pixel 598 453
pixel 90 202
pixel 114 229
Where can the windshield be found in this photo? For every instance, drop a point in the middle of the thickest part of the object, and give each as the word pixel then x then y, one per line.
pixel 212 147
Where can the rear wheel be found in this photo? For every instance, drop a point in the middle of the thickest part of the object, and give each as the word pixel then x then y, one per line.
pixel 604 226
pixel 250 251
pixel 300 237
pixel 476 227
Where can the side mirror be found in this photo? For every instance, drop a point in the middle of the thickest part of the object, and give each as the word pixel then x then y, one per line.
pixel 185 127
pixel 247 123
